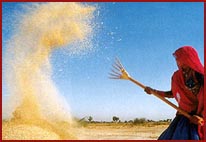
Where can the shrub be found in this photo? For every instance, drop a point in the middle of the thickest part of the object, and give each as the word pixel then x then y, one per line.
pixel 139 120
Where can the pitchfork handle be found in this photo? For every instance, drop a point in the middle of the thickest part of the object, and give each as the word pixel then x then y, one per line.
pixel 162 98
pixel 136 82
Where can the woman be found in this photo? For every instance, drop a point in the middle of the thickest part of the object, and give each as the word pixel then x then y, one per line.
pixel 188 89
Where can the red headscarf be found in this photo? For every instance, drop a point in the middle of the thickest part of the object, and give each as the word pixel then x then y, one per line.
pixel 188 55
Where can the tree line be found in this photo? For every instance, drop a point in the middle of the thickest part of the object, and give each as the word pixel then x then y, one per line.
pixel 117 120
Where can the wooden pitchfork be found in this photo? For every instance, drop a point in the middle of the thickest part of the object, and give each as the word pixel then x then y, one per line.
pixel 118 72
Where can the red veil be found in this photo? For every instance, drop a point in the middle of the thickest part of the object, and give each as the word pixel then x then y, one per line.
pixel 189 56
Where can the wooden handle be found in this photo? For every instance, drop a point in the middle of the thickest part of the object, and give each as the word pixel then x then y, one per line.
pixel 162 98
pixel 137 83
pixel 172 105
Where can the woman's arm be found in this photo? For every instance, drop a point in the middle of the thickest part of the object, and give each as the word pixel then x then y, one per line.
pixel 167 94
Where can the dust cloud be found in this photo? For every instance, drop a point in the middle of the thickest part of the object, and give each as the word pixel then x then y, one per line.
pixel 34 104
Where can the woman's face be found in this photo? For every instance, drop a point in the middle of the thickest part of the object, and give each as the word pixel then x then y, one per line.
pixel 178 64
pixel 182 66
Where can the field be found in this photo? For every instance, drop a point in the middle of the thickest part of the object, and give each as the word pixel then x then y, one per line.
pixel 86 131
pixel 122 131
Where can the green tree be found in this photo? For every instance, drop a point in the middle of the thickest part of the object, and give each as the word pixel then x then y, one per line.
pixel 90 118
pixel 115 119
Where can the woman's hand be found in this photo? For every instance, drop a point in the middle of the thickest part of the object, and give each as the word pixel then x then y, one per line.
pixel 148 90
pixel 197 120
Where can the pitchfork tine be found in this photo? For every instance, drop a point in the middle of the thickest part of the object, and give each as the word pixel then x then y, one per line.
pixel 116 67
pixel 117 73
pixel 113 75
pixel 118 61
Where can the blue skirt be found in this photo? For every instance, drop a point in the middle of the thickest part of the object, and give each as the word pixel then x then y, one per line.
pixel 180 129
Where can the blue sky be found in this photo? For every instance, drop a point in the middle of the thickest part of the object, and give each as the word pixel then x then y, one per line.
pixel 143 36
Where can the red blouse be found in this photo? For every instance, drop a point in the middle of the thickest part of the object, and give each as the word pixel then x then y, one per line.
pixel 186 99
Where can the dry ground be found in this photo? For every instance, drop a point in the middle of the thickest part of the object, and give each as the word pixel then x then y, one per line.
pixel 89 131
pixel 121 131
